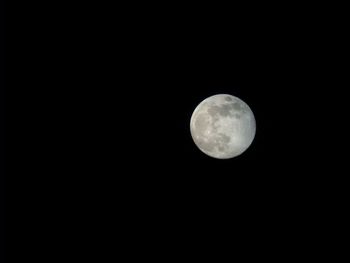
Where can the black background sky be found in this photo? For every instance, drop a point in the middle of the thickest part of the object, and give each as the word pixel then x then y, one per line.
pixel 104 143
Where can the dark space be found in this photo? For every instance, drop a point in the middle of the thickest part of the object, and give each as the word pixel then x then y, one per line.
pixel 104 142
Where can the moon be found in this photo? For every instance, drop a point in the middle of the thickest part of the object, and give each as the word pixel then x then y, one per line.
pixel 223 126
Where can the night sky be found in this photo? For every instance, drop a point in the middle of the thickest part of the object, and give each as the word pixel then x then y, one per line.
pixel 103 145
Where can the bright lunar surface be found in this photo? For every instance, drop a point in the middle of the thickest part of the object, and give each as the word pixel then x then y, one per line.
pixel 223 126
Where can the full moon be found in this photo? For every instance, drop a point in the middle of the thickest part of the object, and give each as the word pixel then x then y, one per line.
pixel 223 126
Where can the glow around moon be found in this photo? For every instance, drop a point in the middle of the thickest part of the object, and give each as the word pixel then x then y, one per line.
pixel 223 126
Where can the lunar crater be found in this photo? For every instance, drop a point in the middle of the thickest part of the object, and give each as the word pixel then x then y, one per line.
pixel 223 110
